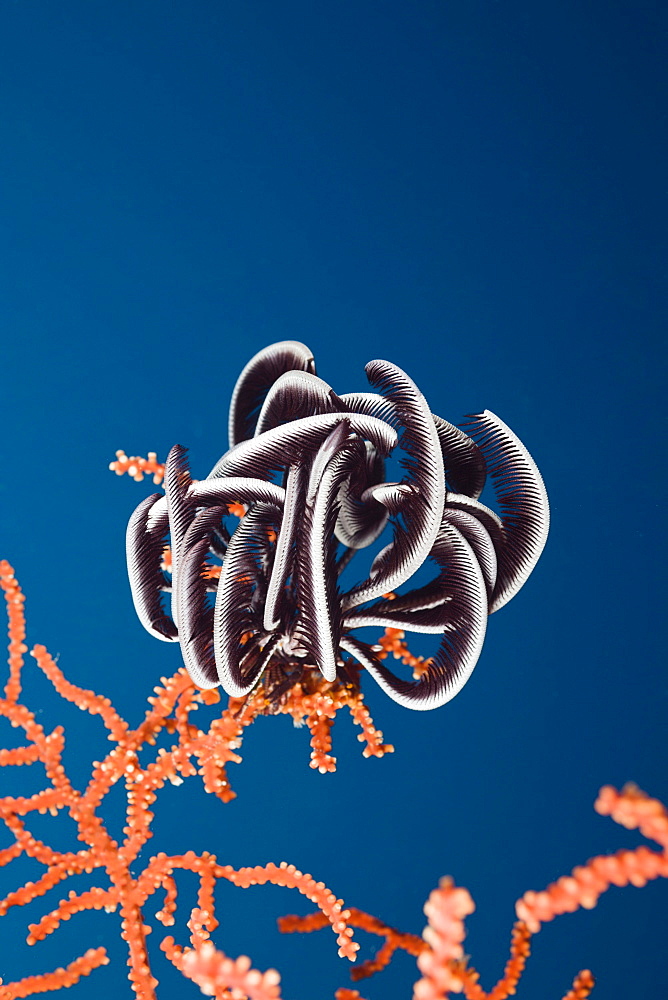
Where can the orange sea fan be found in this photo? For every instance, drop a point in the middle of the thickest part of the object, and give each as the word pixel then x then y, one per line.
pixel 195 751
pixel 122 887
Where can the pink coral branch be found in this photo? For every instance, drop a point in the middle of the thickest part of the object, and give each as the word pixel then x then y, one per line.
pixel 215 973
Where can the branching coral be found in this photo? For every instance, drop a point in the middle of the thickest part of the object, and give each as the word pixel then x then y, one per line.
pixel 125 888
pixel 194 751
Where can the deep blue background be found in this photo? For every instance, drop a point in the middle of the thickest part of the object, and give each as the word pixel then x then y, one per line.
pixel 473 190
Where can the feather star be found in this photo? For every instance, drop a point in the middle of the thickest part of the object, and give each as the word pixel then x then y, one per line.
pixel 308 467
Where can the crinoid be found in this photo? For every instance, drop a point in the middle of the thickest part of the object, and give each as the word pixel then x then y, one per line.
pixel 307 467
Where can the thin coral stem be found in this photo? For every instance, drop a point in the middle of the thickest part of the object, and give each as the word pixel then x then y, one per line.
pixel 89 701
pixel 16 630
pixel 507 985
pixel 56 980
pixel 394 939
pixel 136 467
pixel 317 892
pixel 582 986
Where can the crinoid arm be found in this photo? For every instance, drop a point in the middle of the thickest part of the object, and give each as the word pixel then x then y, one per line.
pixel 522 498
pixel 145 545
pixel 257 378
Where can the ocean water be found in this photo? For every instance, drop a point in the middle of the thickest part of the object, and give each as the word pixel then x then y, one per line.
pixel 472 190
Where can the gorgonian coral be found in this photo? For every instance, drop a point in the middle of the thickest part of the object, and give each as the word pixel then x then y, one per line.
pixel 126 880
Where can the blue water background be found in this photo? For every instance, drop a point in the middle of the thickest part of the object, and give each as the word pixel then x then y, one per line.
pixel 471 189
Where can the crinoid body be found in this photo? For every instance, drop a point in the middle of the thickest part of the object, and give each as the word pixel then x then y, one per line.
pixel 305 467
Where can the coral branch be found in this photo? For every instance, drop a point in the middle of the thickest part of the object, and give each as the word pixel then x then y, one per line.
pixel 88 701
pixel 582 986
pixel 394 939
pixel 215 973
pixel 135 466
pixel 445 909
pixel 56 980
pixel 16 630
pixel 631 808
